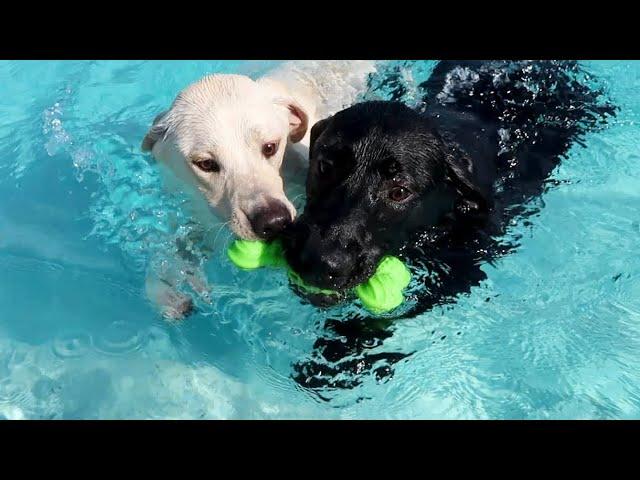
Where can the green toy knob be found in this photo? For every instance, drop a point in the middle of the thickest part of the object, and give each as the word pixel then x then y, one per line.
pixel 383 291
pixel 255 254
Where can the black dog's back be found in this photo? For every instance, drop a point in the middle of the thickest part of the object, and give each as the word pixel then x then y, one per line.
pixel 538 109
pixel 531 113
pixel 521 115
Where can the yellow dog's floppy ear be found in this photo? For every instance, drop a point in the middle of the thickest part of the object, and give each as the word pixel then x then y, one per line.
pixel 298 121
pixel 155 133
pixel 297 112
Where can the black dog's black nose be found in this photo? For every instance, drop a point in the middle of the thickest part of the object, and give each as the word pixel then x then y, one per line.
pixel 319 259
pixel 333 269
pixel 335 264
pixel 267 222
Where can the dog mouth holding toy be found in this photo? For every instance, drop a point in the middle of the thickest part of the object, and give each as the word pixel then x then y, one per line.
pixel 378 286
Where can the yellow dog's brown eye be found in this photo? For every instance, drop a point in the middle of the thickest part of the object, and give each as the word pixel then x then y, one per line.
pixel 207 165
pixel 399 194
pixel 269 149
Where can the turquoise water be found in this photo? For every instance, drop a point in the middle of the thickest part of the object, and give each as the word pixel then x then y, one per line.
pixel 83 215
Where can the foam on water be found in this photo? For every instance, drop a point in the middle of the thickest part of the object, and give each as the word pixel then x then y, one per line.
pixel 552 333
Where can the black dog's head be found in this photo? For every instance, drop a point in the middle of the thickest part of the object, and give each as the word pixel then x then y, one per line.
pixel 378 172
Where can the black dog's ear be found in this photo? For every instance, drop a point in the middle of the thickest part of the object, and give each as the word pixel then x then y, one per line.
pixel 317 130
pixel 460 172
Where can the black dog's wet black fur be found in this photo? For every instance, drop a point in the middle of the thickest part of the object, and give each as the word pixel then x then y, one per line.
pixel 471 179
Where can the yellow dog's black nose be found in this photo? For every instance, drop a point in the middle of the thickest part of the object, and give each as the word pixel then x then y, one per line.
pixel 267 222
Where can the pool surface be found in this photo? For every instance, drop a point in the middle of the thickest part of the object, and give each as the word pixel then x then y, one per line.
pixel 554 331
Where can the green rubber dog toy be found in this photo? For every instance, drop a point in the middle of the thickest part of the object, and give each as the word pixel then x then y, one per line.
pixel 380 294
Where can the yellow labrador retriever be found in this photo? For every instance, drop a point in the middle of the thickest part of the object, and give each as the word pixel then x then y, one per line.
pixel 231 143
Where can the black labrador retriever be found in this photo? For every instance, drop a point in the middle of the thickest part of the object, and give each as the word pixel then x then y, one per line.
pixel 437 185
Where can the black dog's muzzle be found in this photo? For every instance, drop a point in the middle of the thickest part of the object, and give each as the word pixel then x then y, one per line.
pixel 326 259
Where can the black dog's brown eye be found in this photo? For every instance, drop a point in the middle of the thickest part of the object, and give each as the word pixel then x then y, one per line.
pixel 269 149
pixel 207 165
pixel 399 194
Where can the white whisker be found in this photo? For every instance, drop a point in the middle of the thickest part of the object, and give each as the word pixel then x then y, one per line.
pixel 218 233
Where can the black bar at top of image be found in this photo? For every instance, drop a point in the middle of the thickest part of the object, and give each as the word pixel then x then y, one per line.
pixel 434 31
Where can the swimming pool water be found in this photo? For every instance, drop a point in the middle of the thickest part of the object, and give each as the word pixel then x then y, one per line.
pixel 554 332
